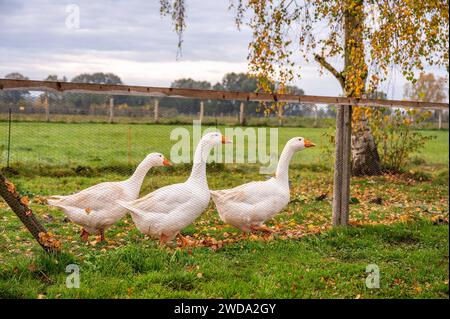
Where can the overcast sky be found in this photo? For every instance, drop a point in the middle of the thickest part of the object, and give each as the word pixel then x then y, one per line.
pixel 130 39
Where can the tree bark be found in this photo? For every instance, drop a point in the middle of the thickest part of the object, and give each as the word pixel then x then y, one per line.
pixel 20 208
pixel 365 157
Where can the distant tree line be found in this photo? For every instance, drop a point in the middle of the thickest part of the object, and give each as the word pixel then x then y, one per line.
pixel 85 103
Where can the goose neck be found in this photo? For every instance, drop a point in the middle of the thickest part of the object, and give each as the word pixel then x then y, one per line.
pixel 282 172
pixel 139 174
pixel 198 172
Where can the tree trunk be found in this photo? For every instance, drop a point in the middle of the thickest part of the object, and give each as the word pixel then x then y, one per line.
pixel 439 119
pixel 365 158
pixel 353 136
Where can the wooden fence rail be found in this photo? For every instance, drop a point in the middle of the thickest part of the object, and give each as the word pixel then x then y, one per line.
pixel 8 84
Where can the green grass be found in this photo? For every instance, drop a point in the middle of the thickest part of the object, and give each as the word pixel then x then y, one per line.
pixel 412 258
pixel 90 144
pixel 406 235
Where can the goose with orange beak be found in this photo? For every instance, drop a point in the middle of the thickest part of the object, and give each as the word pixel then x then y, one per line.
pixel 165 212
pixel 95 208
pixel 248 206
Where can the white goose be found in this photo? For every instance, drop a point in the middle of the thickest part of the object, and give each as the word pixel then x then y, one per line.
pixel 249 206
pixel 166 211
pixel 95 208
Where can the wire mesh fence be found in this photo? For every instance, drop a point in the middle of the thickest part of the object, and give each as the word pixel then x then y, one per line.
pixel 61 143
pixel 41 129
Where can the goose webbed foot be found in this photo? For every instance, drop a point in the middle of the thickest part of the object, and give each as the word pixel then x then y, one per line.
pixel 164 240
pixel 262 228
pixel 84 235
pixel 184 241
pixel 102 236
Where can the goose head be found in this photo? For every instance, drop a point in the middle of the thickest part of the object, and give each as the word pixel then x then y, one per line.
pixel 215 138
pixel 299 143
pixel 156 159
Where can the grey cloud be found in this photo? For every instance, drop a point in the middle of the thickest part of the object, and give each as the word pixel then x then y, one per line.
pixel 123 25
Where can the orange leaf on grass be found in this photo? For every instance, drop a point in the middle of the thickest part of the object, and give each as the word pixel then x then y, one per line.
pixel 10 186
pixel 25 200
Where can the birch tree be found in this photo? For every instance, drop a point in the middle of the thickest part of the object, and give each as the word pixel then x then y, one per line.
pixel 367 38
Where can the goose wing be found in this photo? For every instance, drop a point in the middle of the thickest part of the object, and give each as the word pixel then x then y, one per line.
pixel 164 200
pixel 93 198
pixel 249 193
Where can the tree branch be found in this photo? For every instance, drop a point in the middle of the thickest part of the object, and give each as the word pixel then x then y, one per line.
pixel 338 75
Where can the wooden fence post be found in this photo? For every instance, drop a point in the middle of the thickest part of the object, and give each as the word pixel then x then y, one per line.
pixel 8 147
pixel 20 208
pixel 337 185
pixel 129 145
pixel 316 115
pixel 47 109
pixel 202 111
pixel 280 115
pixel 156 111
pixel 242 114
pixel 346 163
pixel 342 165
pixel 111 109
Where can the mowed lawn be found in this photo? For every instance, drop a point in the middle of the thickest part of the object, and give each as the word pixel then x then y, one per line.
pixel 399 223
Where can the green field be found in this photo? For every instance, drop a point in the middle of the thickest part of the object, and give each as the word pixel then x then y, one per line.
pixel 406 234
pixel 102 145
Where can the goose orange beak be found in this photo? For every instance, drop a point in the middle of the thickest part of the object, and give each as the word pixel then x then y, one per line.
pixel 225 140
pixel 309 143
pixel 166 162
